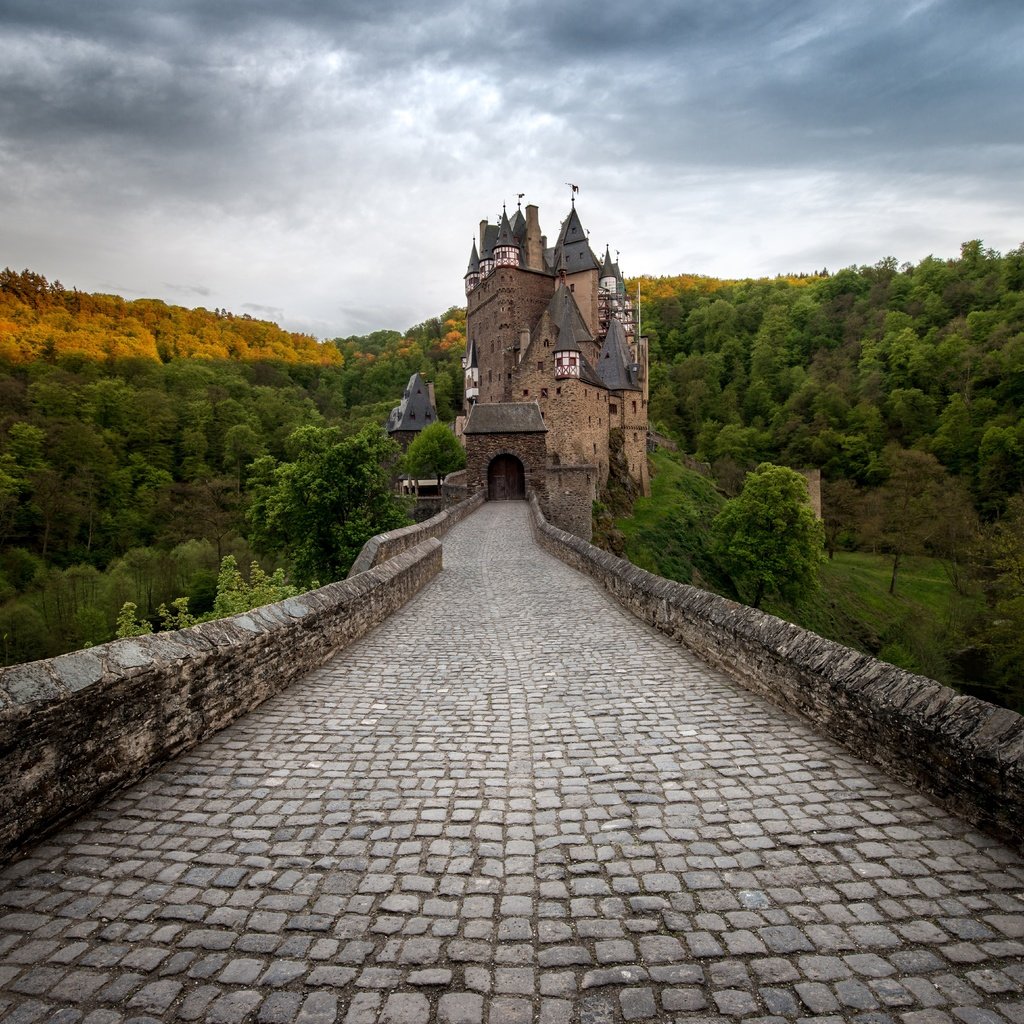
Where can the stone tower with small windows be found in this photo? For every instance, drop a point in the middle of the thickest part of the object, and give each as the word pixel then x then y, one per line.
pixel 552 328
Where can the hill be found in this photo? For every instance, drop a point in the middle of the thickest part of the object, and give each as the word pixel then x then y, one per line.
pixel 128 436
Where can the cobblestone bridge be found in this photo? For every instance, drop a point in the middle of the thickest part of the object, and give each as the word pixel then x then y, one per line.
pixel 513 802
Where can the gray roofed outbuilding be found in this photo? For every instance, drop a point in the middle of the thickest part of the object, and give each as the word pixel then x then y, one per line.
pixel 506 418
pixel 415 411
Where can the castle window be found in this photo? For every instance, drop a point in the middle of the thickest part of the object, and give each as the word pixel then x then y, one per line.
pixel 558 391
pixel 572 287
pixel 540 364
pixel 634 407
pixel 595 447
pixel 543 392
pixel 490 376
pixel 526 392
pixel 613 408
pixel 547 343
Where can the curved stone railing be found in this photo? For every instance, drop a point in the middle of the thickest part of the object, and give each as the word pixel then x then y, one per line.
pixel 383 546
pixel 962 751
pixel 77 727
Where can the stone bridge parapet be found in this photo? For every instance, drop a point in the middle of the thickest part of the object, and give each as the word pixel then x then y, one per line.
pixel 964 752
pixel 77 727
pixel 383 546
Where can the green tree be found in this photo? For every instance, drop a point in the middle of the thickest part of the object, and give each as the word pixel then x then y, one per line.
pixel 435 452
pixel 323 506
pixel 768 539
pixel 906 518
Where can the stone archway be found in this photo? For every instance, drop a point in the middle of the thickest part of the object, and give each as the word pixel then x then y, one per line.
pixel 506 479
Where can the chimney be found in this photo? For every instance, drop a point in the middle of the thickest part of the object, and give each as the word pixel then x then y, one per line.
pixel 534 240
pixel 430 395
pixel 483 233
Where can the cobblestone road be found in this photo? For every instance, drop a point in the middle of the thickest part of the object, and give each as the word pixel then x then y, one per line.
pixel 513 802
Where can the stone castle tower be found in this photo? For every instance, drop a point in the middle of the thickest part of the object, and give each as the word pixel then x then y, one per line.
pixel 555 373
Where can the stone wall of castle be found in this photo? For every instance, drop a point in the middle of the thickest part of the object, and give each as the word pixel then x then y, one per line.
pixel 74 729
pixel 498 308
pixel 576 413
pixel 572 491
pixel 530 449
pixel 963 752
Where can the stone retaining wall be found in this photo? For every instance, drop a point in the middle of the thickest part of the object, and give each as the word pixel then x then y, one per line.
pixel 963 752
pixel 77 727
pixel 383 546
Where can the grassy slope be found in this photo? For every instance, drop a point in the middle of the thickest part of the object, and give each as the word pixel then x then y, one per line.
pixel 915 628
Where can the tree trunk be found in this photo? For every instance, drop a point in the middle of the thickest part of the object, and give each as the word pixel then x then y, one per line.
pixel 895 569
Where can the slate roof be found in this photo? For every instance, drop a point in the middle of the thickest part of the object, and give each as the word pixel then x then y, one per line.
pixel 519 225
pixel 505 235
pixel 505 418
pixel 490 237
pixel 573 245
pixel 474 261
pixel 572 328
pixel 615 365
pixel 415 411
pixel 471 356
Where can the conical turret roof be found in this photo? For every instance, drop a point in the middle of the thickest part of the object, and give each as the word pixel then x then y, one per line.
pixel 474 261
pixel 573 246
pixel 615 365
pixel 566 315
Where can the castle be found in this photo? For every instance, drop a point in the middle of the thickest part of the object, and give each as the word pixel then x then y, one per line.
pixel 555 371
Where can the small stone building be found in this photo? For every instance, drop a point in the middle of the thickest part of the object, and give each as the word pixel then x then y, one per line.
pixel 416 411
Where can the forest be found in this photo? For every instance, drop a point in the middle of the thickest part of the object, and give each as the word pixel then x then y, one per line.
pixel 134 435
pixel 137 438
pixel 904 385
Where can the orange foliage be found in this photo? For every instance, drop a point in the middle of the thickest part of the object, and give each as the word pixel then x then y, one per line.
pixel 42 320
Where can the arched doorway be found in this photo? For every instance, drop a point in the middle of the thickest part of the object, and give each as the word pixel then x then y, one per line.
pixel 506 479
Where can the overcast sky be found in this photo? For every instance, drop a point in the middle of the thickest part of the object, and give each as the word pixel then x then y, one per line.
pixel 325 164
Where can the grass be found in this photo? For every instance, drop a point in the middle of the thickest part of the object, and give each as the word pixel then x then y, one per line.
pixel 669 532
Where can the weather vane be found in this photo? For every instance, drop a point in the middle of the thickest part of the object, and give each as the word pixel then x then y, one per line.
pixel 575 189
pixel 519 199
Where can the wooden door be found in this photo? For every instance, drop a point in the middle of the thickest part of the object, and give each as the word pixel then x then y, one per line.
pixel 506 479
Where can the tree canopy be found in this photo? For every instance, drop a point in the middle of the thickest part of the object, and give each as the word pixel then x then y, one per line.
pixel 321 507
pixel 768 539
pixel 434 452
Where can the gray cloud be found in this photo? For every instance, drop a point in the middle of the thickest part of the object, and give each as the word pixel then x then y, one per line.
pixel 333 158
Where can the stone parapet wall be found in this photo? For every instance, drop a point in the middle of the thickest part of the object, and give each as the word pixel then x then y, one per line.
pixel 384 546
pixel 963 752
pixel 75 728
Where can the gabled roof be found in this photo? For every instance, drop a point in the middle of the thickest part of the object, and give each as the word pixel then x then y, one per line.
pixel 474 261
pixel 567 318
pixel 615 365
pixel 415 411
pixel 505 418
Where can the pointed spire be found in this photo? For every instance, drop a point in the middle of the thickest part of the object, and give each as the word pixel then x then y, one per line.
pixel 474 261
pixel 615 365
pixel 607 267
